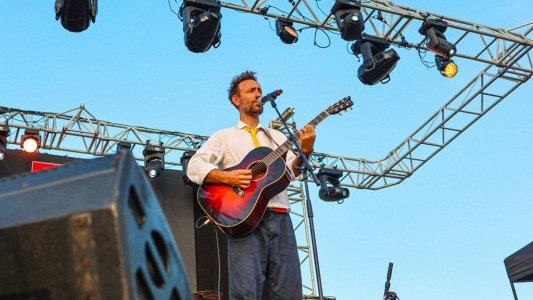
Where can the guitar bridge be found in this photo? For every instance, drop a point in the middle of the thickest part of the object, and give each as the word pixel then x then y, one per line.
pixel 238 191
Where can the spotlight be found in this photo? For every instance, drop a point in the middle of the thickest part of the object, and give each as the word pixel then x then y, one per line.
pixel 446 66
pixel 31 141
pixel 434 30
pixel 377 61
pixel 121 146
pixel 3 142
pixel 349 19
pixel 154 160
pixel 285 31
pixel 76 15
pixel 330 189
pixel 184 160
pixel 201 24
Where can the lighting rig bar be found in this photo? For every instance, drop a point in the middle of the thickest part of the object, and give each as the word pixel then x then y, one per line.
pixel 510 66
pixel 473 101
pixel 393 22
pixel 64 131
pixel 78 131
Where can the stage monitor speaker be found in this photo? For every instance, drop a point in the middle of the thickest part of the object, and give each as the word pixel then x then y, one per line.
pixel 91 229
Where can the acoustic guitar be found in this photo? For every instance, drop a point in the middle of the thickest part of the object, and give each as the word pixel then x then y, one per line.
pixel 237 212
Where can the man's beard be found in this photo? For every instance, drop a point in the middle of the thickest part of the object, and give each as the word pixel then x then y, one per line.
pixel 252 111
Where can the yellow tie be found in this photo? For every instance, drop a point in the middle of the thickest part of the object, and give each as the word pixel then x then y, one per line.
pixel 253 132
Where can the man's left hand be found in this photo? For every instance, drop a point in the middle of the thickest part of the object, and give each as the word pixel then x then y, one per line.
pixel 307 139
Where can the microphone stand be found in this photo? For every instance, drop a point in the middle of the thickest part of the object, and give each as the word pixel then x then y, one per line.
pixel 306 167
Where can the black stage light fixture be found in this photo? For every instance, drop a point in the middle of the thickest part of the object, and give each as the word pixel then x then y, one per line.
pixel 378 62
pixel 286 31
pixel 154 160
pixel 184 160
pixel 330 189
pixel 123 146
pixel 201 24
pixel 76 15
pixel 446 66
pixel 434 30
pixel 30 141
pixel 3 142
pixel 349 19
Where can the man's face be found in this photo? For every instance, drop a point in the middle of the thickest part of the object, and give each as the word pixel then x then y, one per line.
pixel 248 97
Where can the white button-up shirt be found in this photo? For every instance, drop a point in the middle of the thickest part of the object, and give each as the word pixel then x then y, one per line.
pixel 227 147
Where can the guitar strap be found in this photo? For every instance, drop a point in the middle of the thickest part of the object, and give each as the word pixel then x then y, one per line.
pixel 270 136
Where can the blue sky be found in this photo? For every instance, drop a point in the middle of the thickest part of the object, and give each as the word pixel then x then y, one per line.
pixel 447 228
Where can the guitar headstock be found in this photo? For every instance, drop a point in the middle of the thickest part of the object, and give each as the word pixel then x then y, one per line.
pixel 340 106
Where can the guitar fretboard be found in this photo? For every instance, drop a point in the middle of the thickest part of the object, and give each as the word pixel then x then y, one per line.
pixel 283 148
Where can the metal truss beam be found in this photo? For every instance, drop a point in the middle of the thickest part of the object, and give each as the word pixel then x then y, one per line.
pixel 398 24
pixel 473 101
pixel 67 131
pixel 78 131
pixel 508 65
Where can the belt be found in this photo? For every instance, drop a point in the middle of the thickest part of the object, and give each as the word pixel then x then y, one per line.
pixel 279 210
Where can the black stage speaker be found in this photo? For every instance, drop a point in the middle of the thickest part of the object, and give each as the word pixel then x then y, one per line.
pixel 88 230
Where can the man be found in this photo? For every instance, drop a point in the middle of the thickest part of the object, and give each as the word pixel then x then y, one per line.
pixel 265 263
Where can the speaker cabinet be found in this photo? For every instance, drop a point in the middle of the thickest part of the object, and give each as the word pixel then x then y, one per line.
pixel 91 229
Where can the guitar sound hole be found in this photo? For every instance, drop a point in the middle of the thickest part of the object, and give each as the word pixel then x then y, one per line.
pixel 258 170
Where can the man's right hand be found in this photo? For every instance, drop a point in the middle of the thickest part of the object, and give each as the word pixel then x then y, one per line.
pixel 236 178
pixel 239 178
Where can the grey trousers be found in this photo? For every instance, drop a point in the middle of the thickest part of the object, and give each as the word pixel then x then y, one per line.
pixel 265 263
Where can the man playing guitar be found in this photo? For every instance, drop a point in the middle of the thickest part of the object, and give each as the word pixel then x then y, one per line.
pixel 263 264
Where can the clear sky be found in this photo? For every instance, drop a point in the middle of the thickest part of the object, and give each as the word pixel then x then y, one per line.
pixel 447 228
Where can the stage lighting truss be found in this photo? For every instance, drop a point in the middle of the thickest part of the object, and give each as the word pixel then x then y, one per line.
pixel 154 160
pixel 4 132
pixel 349 19
pixel 286 31
pixel 330 189
pixel 447 67
pixel 201 24
pixel 30 141
pixel 76 15
pixel 378 62
pixel 434 30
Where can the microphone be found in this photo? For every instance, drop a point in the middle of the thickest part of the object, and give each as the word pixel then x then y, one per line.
pixel 271 97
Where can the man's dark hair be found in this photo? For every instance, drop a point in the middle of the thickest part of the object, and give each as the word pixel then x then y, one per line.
pixel 234 85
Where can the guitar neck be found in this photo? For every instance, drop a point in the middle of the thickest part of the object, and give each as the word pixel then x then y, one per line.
pixel 283 148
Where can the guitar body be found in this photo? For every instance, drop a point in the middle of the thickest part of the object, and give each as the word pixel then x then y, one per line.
pixel 237 215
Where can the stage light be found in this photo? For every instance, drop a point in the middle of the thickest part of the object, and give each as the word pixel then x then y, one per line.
pixel 349 19
pixel 285 31
pixel 446 66
pixel 123 146
pixel 154 160
pixel 31 141
pixel 330 189
pixel 184 160
pixel 3 142
pixel 434 30
pixel 76 15
pixel 377 61
pixel 201 24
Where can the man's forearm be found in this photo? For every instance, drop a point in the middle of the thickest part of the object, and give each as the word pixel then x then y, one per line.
pixel 216 176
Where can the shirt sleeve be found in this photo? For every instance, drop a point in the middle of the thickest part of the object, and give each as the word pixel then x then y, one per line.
pixel 205 159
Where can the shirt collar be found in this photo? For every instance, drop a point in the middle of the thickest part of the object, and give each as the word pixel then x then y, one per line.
pixel 241 125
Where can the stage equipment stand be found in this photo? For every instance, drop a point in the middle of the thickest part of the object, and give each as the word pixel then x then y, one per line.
pixel 306 167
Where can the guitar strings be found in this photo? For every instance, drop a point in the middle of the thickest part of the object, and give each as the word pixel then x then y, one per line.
pixel 274 155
